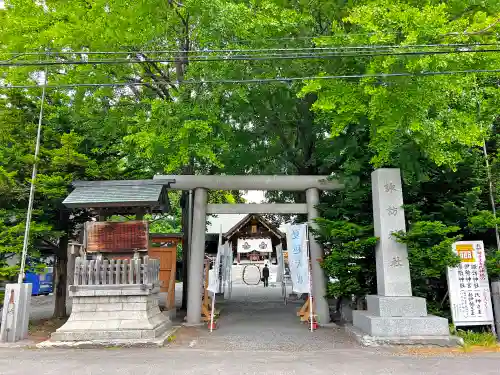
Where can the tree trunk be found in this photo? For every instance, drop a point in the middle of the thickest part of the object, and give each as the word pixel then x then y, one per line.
pixel 61 275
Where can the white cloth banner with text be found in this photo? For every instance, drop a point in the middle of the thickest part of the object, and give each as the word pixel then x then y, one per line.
pixel 298 257
pixel 262 245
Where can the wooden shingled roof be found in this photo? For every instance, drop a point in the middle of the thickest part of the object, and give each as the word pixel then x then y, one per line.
pixel 257 217
pixel 147 194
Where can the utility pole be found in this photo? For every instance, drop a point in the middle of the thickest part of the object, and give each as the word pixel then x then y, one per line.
pixel 29 213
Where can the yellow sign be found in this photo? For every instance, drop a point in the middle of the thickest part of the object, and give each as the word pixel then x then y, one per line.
pixel 466 253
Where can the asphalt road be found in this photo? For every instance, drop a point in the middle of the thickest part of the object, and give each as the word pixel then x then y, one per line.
pixel 192 361
pixel 257 334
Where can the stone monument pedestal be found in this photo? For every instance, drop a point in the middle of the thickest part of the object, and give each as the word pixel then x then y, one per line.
pixel 114 304
pixel 394 316
pixel 116 315
pixel 400 320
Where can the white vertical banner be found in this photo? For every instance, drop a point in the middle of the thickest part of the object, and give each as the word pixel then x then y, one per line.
pixel 228 259
pixel 229 268
pixel 281 270
pixel 298 257
pixel 468 286
pixel 281 263
pixel 221 255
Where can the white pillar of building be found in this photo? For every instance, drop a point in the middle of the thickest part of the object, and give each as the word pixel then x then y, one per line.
pixel 316 253
pixel 197 255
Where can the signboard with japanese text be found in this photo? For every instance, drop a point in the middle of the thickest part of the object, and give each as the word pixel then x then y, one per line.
pixel 468 286
pixel 298 257
pixel 117 237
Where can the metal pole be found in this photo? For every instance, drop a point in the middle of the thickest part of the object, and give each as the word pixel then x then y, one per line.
pixel 495 298
pixel 490 184
pixel 32 186
pixel 492 197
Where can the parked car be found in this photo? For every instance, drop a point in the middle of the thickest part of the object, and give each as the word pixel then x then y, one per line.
pixel 42 283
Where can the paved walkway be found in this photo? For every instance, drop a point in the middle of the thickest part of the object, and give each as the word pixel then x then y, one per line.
pixel 256 318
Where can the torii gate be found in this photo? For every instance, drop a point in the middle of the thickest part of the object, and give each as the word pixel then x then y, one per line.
pixel 394 315
pixel 202 183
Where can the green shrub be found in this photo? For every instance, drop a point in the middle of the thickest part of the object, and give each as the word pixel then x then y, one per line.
pixel 350 259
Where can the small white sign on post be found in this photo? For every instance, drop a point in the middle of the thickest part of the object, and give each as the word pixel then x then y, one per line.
pixel 468 286
pixel 214 281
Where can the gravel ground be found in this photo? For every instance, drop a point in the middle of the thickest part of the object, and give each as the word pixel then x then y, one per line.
pixel 256 318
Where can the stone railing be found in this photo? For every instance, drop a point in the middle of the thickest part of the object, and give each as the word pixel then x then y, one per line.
pixel 115 302
pixel 144 271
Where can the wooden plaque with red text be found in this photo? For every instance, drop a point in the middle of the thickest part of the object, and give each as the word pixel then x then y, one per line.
pixel 106 236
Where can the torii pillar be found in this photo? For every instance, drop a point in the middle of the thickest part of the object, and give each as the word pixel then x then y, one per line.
pixel 316 253
pixel 196 257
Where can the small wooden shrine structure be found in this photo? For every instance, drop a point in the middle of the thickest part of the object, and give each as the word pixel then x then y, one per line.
pixel 124 240
pixel 254 239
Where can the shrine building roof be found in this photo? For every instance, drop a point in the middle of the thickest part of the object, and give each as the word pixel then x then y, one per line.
pixel 147 194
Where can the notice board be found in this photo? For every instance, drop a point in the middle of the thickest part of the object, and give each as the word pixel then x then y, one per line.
pixel 108 236
pixel 468 286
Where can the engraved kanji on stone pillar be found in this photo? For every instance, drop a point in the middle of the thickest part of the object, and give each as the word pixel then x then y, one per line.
pixel 393 269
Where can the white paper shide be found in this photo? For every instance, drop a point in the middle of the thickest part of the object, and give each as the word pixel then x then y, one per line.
pixel 213 274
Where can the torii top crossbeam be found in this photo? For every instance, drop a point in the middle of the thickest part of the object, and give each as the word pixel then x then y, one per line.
pixel 250 182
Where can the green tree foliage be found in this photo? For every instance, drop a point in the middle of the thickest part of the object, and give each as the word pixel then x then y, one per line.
pixel 437 116
pixel 349 258
pixel 431 127
pixel 430 253
pixel 75 145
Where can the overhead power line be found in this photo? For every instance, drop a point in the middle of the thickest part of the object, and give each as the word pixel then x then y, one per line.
pixel 208 50
pixel 256 80
pixel 320 55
